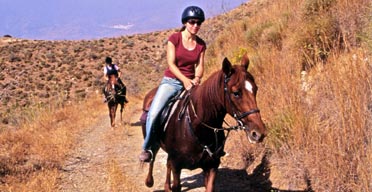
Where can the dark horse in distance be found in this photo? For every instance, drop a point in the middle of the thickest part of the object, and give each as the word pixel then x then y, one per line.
pixel 193 136
pixel 115 95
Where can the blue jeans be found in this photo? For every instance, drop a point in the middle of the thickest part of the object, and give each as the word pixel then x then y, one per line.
pixel 168 88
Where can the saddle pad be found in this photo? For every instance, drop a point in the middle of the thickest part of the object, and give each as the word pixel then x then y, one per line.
pixel 169 109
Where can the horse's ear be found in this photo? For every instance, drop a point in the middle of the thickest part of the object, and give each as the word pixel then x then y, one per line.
pixel 226 67
pixel 245 61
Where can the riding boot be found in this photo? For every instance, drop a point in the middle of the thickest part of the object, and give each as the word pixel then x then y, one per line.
pixel 146 156
pixel 149 154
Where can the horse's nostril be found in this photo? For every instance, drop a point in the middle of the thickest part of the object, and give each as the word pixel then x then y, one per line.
pixel 254 135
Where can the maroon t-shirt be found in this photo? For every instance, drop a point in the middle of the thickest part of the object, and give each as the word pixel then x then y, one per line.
pixel 185 59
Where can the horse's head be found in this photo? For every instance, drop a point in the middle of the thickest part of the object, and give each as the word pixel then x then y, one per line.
pixel 110 86
pixel 112 79
pixel 240 92
pixel 110 91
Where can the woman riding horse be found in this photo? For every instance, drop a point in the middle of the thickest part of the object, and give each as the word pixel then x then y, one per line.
pixel 193 136
pixel 185 56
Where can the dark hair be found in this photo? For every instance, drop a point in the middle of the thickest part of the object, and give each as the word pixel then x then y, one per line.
pixel 182 28
pixel 108 60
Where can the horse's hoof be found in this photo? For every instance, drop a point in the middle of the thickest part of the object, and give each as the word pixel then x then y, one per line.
pixel 167 188
pixel 149 182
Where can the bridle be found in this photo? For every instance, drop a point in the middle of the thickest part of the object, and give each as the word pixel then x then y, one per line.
pixel 238 116
pixel 111 90
pixel 113 94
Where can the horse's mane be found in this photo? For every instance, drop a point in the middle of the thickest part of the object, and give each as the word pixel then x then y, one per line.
pixel 210 96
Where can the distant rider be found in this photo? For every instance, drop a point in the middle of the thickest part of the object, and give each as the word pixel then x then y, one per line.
pixel 113 69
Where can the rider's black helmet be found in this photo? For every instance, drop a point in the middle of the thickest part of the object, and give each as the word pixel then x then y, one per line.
pixel 192 12
pixel 108 60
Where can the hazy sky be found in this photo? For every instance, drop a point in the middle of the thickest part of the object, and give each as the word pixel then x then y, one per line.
pixel 89 19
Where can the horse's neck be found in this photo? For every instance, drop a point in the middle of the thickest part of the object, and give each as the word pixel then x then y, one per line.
pixel 209 102
pixel 112 79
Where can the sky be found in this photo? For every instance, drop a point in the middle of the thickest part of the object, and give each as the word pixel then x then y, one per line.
pixel 93 19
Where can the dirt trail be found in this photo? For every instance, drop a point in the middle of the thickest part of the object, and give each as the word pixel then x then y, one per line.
pixel 88 168
pixel 106 160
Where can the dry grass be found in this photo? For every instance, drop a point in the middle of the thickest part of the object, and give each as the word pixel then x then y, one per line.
pixel 320 127
pixel 319 122
pixel 32 155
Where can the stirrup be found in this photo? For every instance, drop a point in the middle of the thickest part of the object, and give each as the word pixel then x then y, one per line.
pixel 152 155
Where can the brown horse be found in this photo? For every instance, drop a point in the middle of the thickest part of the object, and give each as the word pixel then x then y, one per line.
pixel 114 97
pixel 193 136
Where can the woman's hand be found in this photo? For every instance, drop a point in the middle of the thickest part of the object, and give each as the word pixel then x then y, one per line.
pixel 188 84
pixel 196 80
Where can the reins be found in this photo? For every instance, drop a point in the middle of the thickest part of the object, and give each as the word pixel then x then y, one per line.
pixel 215 130
pixel 239 126
pixel 112 96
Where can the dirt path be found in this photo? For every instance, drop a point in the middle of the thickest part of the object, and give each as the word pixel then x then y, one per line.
pixel 107 160
pixel 103 150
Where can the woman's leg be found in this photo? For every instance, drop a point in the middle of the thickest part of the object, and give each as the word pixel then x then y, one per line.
pixel 167 88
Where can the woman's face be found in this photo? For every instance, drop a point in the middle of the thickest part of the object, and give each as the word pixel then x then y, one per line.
pixel 193 25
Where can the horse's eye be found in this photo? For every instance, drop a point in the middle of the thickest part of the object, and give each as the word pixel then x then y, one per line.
pixel 236 93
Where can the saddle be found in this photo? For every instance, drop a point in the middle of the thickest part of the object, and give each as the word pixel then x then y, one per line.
pixel 168 109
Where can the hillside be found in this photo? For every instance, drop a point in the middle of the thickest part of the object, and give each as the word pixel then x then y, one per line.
pixel 38 73
pixel 44 72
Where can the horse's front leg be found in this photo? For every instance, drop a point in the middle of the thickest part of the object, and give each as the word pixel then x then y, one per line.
pixel 167 186
pixel 150 179
pixel 209 177
pixel 110 113
pixel 176 187
pixel 113 114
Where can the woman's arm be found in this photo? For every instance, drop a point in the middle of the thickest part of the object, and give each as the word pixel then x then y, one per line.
pixel 119 73
pixel 199 69
pixel 105 74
